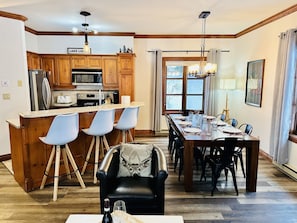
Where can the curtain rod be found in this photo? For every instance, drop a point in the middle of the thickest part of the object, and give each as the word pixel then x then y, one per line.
pixel 185 51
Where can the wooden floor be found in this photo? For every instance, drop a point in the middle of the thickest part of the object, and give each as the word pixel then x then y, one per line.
pixel 274 201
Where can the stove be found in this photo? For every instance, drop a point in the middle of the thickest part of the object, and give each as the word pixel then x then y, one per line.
pixel 92 98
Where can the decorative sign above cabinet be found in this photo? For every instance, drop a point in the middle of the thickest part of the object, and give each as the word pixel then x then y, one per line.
pixel 76 51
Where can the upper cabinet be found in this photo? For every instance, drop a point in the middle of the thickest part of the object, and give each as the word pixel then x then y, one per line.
pixel 126 74
pixel 110 72
pixel 33 61
pixel 63 71
pixel 89 61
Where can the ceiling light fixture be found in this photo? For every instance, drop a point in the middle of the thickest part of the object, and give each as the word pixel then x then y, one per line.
pixel 203 69
pixel 86 31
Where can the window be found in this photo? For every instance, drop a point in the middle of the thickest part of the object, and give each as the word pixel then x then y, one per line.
pixel 180 90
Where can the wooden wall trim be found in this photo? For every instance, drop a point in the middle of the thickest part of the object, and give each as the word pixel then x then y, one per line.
pixel 264 22
pixel 5 157
pixel 13 16
pixel 179 36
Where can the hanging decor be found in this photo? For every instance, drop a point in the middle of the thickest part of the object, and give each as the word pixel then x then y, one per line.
pixel 202 68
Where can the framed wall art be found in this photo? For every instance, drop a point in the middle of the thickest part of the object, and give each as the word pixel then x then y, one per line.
pixel 254 82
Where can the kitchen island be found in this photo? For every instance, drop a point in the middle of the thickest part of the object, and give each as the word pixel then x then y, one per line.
pixel 30 156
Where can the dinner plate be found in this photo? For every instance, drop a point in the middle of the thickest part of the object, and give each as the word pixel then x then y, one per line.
pixel 219 123
pixel 210 117
pixel 180 118
pixel 231 130
pixel 192 130
pixel 184 123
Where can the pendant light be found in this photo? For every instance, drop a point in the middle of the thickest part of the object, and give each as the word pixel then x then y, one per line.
pixel 85 25
pixel 202 69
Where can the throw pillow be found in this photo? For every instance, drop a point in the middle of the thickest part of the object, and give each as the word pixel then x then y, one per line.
pixel 135 160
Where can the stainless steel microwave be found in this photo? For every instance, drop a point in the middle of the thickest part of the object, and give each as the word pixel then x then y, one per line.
pixel 87 76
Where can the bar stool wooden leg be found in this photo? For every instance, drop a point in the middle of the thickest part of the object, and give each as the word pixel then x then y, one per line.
pixel 57 168
pixel 88 156
pixel 74 166
pixel 105 143
pixel 129 134
pixel 96 158
pixel 48 167
pixel 66 163
pixel 101 148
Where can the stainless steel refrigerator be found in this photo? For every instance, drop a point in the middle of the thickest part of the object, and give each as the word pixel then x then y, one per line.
pixel 40 91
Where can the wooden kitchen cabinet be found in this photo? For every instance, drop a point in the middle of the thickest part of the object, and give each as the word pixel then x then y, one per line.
pixel 126 74
pixel 86 62
pixel 63 71
pixel 94 61
pixel 48 64
pixel 33 61
pixel 110 72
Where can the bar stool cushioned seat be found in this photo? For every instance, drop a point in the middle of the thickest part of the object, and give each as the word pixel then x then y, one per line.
pixel 63 130
pixel 101 125
pixel 141 186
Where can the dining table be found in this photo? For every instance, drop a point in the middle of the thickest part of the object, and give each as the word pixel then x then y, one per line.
pixel 198 135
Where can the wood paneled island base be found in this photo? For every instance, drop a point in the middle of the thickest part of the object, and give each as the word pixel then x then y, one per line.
pixel 30 156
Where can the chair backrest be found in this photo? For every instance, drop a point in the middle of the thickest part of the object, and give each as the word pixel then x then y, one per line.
pixel 226 151
pixel 102 122
pixel 248 128
pixel 128 119
pixel 234 122
pixel 222 116
pixel 64 129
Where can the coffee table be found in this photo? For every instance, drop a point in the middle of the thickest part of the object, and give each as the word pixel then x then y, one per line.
pixel 96 218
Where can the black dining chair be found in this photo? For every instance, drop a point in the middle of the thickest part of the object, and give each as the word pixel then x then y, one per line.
pixel 247 129
pixel 221 158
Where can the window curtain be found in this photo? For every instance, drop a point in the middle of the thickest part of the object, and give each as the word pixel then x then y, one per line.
pixel 283 96
pixel 157 90
pixel 213 56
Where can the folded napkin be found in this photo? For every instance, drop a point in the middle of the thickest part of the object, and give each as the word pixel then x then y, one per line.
pixel 123 217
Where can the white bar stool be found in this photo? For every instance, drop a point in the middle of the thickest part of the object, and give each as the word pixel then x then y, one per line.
pixel 64 129
pixel 101 125
pixel 127 121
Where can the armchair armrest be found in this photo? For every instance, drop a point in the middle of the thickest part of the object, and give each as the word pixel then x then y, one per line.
pixel 110 164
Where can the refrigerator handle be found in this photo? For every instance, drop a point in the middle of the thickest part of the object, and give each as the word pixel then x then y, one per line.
pixel 46 93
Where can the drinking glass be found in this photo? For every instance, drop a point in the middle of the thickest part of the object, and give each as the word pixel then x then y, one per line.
pixel 119 205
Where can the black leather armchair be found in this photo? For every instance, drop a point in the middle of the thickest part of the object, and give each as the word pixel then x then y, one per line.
pixel 142 195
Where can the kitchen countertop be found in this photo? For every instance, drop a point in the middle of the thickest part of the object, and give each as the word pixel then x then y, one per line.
pixel 53 112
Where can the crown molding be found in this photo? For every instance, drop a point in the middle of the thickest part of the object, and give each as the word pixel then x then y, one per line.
pixel 13 16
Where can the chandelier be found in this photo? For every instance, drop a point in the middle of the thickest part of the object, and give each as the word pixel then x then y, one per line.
pixel 86 31
pixel 203 68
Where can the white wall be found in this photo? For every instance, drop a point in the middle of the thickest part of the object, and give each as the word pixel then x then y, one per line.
pixel 13 65
pixel 59 44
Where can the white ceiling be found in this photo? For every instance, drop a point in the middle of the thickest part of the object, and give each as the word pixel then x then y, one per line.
pixel 145 16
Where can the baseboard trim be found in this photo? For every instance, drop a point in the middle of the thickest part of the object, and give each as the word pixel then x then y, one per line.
pixel 286 169
pixel 5 157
